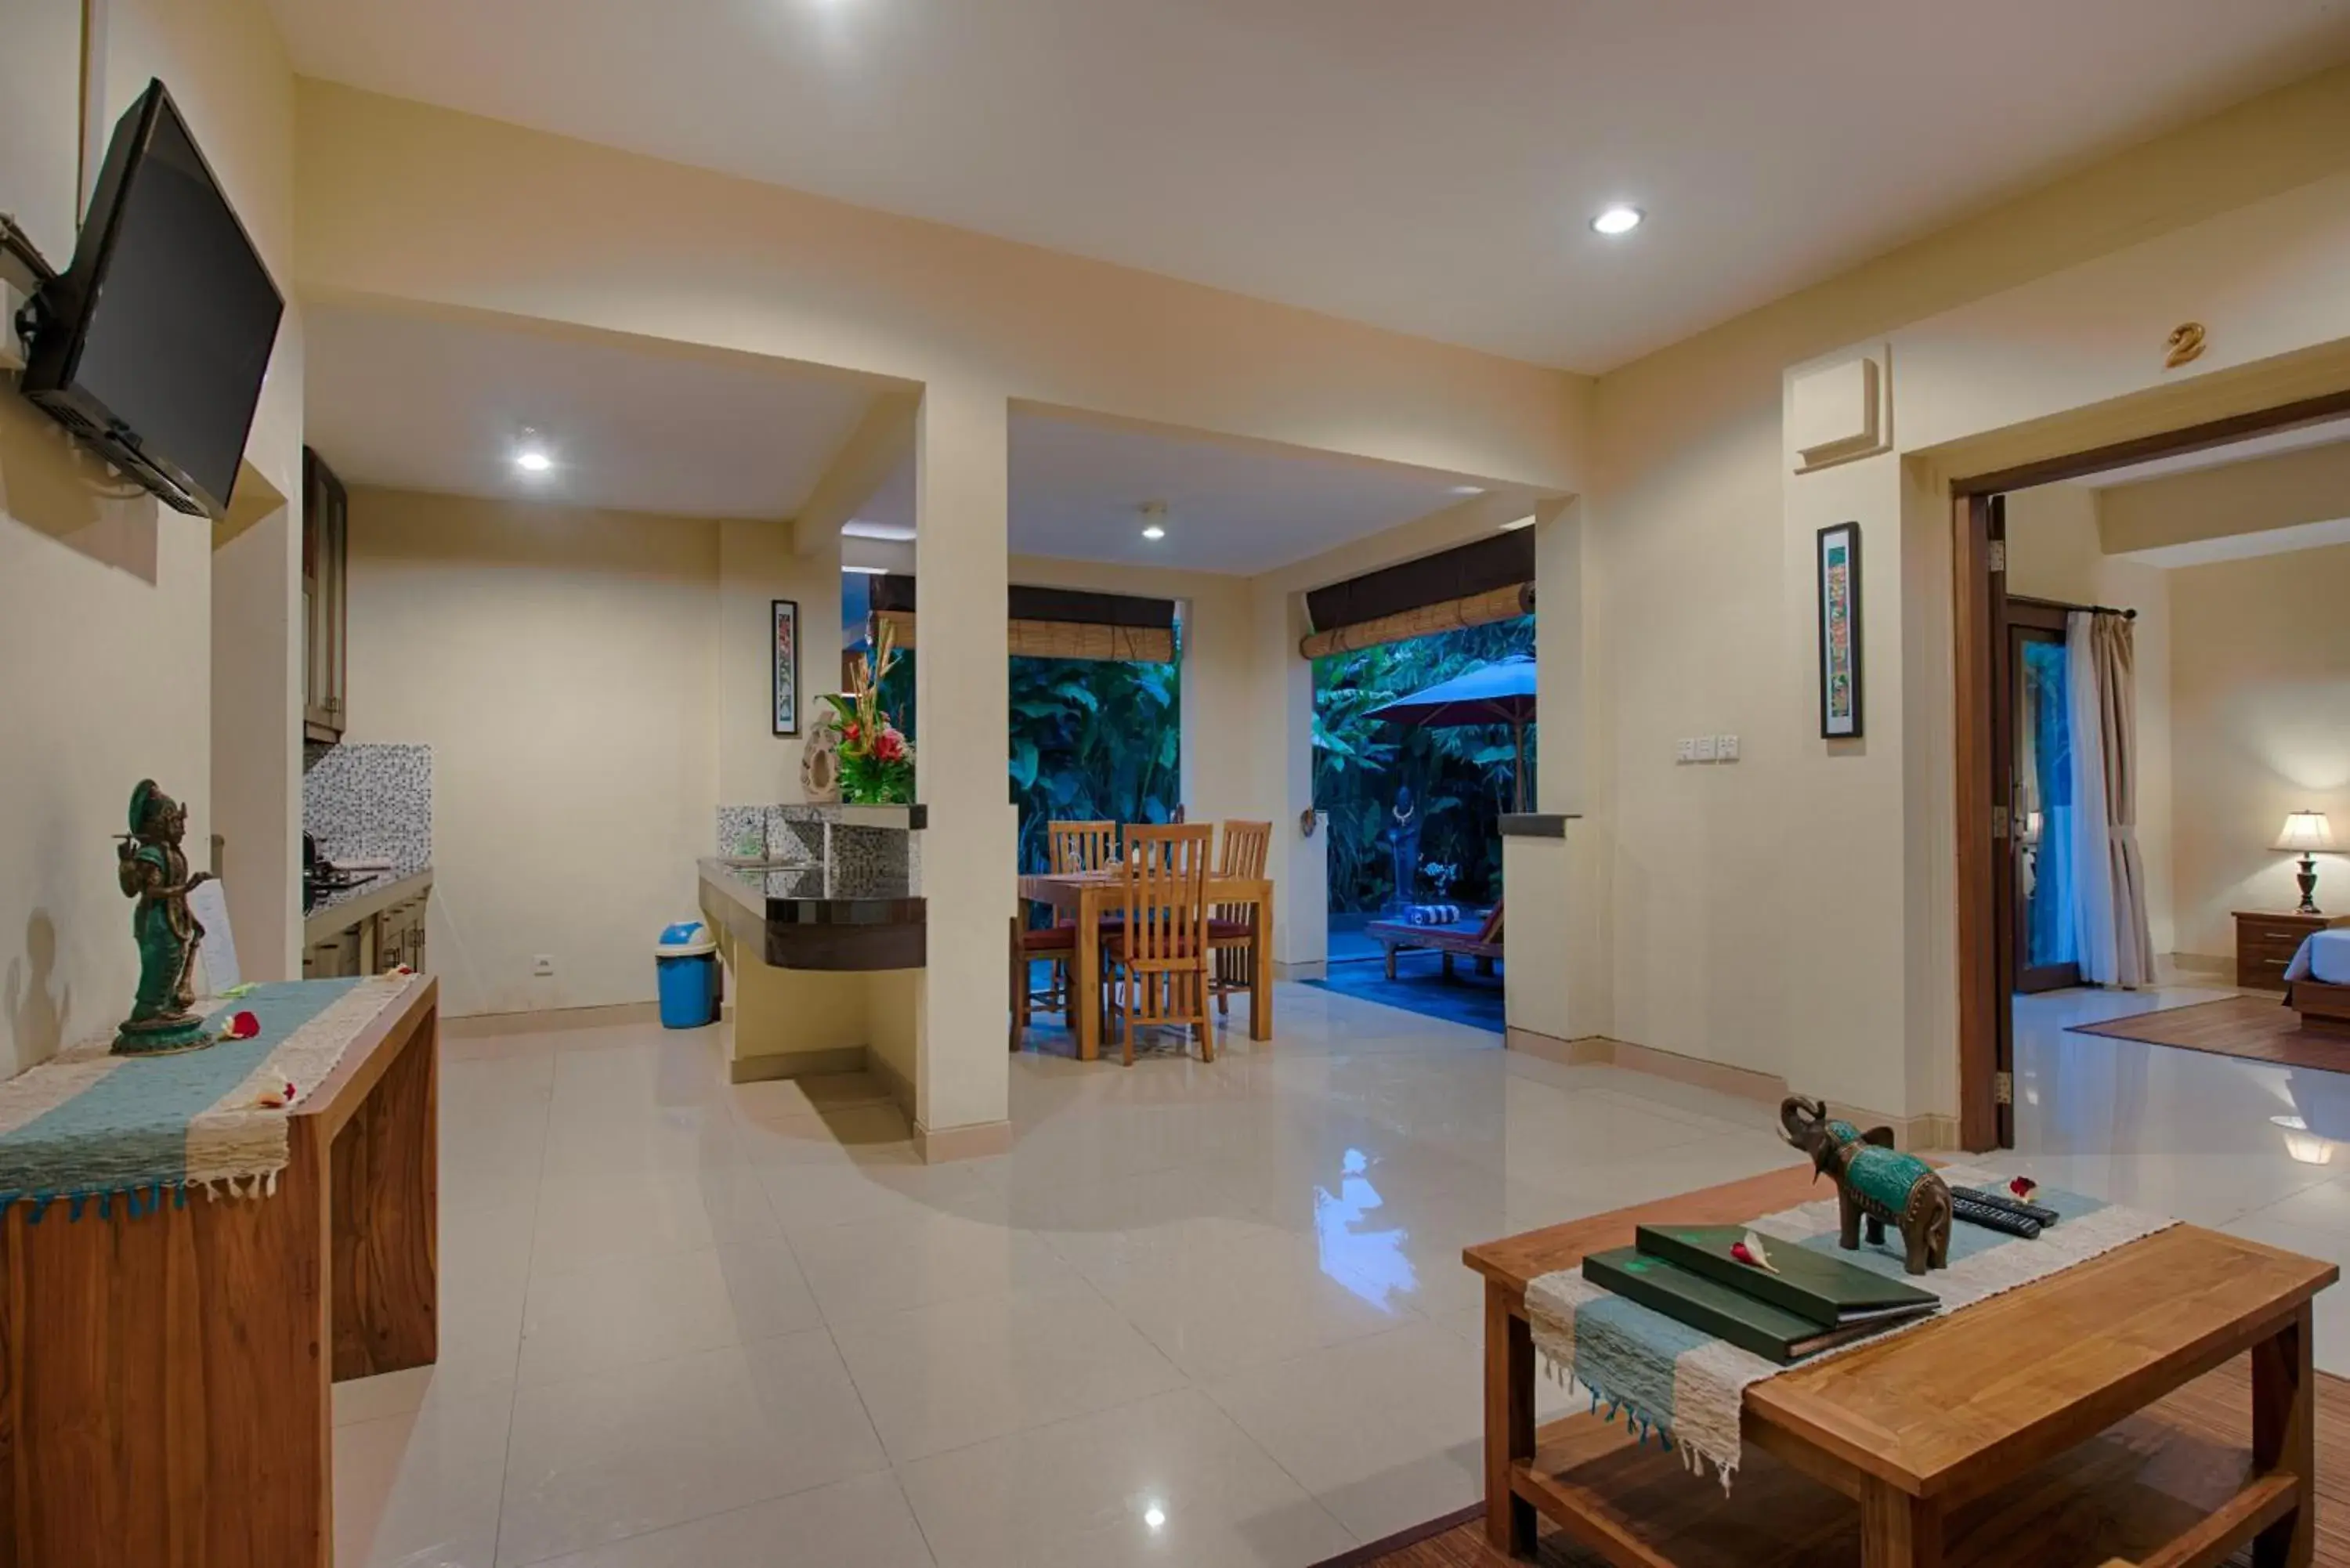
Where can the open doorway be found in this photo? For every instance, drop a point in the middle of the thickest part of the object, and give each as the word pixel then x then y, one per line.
pixel 2138 697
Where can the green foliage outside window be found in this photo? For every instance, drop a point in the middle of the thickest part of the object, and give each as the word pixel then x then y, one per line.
pixel 1460 779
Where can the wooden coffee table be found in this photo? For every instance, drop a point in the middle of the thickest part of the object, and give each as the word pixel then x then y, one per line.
pixel 2014 1433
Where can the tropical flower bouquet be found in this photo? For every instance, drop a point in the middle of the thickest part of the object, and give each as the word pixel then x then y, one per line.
pixel 876 761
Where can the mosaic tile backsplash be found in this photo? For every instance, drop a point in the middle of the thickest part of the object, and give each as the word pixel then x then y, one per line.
pixel 369 801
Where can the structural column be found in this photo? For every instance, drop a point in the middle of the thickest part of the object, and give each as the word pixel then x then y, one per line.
pixel 257 749
pixel 1282 741
pixel 963 714
pixel 1539 861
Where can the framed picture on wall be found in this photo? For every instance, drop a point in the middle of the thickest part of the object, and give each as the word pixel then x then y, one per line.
pixel 1840 683
pixel 786 650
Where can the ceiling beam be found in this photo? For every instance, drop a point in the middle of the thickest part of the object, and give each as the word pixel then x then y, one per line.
pixel 2283 491
pixel 881 441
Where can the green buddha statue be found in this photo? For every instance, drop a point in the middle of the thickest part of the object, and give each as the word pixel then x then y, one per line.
pixel 154 870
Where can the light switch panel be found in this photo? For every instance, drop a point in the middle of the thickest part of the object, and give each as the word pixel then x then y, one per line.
pixel 1684 750
pixel 1725 748
pixel 1702 751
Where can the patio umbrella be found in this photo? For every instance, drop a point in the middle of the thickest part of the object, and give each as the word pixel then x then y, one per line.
pixel 1501 692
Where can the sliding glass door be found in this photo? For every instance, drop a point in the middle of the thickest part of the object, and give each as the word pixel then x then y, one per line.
pixel 2040 796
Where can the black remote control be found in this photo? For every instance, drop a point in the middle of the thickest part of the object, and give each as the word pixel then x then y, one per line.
pixel 1991 1217
pixel 2046 1215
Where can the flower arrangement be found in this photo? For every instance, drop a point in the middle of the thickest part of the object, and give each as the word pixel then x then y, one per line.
pixel 876 761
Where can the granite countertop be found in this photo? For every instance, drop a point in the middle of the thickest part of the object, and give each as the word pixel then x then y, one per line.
pixel 816 895
pixel 358 901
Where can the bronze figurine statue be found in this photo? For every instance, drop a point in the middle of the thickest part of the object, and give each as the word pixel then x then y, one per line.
pixel 1874 1184
pixel 153 869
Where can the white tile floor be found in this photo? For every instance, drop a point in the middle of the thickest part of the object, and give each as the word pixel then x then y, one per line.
pixel 1200 1315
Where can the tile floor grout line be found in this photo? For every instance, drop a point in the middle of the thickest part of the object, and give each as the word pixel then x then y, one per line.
pixel 506 1466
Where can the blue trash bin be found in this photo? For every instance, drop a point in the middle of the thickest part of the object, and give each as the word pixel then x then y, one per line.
pixel 687 962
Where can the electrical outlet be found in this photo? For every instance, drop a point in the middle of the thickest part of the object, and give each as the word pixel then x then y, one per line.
pixel 1725 748
pixel 1684 750
pixel 544 963
pixel 1701 749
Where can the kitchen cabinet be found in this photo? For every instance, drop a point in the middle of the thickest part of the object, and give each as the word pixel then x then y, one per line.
pixel 326 561
pixel 368 929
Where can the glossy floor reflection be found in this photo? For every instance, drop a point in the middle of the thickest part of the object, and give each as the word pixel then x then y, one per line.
pixel 1200 1315
pixel 2245 1147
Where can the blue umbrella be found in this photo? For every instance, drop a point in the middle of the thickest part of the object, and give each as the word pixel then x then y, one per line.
pixel 1501 692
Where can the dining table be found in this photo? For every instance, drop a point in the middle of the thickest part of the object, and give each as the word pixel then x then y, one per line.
pixel 1088 896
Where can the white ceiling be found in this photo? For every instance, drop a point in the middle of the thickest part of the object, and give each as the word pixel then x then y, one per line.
pixel 1078 488
pixel 421 402
pixel 1426 167
pixel 2324 433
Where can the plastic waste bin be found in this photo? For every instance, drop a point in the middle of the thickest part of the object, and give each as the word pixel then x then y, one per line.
pixel 687 962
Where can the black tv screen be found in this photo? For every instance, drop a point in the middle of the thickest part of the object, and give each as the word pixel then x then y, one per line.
pixel 153 344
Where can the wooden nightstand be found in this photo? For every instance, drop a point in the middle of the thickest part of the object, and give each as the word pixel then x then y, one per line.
pixel 2265 943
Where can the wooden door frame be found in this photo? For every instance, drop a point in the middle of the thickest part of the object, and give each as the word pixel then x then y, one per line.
pixel 1978 658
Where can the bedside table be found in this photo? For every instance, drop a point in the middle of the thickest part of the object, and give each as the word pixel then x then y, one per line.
pixel 2265 943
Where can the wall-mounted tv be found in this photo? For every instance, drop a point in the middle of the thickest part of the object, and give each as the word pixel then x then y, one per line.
pixel 153 345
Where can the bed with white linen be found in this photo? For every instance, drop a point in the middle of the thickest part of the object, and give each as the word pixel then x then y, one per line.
pixel 2318 982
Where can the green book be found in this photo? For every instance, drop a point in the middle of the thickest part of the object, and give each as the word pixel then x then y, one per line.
pixel 1711 1307
pixel 1829 1290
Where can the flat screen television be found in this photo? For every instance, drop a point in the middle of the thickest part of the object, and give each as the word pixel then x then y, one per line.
pixel 151 345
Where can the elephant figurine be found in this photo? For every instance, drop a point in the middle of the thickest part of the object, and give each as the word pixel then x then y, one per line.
pixel 1874 1184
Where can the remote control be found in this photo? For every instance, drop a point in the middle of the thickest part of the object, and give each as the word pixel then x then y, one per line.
pixel 2046 1215
pixel 1990 1216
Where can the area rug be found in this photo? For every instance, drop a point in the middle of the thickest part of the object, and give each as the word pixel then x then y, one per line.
pixel 2255 1028
pixel 2216 1407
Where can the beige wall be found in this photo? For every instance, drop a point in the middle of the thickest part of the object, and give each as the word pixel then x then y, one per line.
pixel 562 663
pixel 2053 553
pixel 106 604
pixel 757 565
pixel 1794 912
pixel 2260 695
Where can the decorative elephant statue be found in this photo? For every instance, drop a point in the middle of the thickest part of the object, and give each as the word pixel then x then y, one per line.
pixel 1874 1184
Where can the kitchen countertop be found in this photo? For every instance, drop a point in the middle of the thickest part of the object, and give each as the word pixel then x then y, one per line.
pixel 815 917
pixel 340 909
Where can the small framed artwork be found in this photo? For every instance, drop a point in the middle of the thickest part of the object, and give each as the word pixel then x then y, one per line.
pixel 788 666
pixel 1840 673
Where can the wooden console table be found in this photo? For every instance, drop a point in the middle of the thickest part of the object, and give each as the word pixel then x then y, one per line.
pixel 167 1380
pixel 1906 1453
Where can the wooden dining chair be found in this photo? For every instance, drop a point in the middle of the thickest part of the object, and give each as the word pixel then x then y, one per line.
pixel 1075 846
pixel 1031 945
pixel 1233 940
pixel 1155 962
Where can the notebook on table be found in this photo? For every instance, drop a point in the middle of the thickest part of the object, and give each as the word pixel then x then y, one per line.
pixel 1828 1290
pixel 1727 1313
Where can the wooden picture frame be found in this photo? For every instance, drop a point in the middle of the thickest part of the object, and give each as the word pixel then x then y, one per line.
pixel 1842 690
pixel 784 647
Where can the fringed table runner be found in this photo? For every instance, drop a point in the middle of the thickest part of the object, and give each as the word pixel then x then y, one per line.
pixel 1686 1388
pixel 87 1126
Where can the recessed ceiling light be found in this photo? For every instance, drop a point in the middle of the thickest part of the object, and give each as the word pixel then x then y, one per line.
pixel 1154 1516
pixel 1154 520
pixel 1154 532
pixel 530 453
pixel 1618 220
pixel 1467 490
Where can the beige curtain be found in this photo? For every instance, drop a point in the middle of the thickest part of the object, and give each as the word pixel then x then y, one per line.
pixel 2113 650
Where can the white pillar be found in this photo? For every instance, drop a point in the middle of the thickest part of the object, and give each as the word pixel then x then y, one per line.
pixel 962 712
pixel 256 747
pixel 1548 930
pixel 1284 742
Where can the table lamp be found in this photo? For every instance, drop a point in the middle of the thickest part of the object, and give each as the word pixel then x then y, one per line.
pixel 2305 832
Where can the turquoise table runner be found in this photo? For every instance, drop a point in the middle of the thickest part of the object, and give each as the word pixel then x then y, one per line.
pixel 1687 1388
pixel 91 1126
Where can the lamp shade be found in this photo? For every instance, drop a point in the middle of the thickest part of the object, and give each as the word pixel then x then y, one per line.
pixel 2304 833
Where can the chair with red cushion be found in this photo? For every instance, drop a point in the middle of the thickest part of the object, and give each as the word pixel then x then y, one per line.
pixel 1232 935
pixel 1057 943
